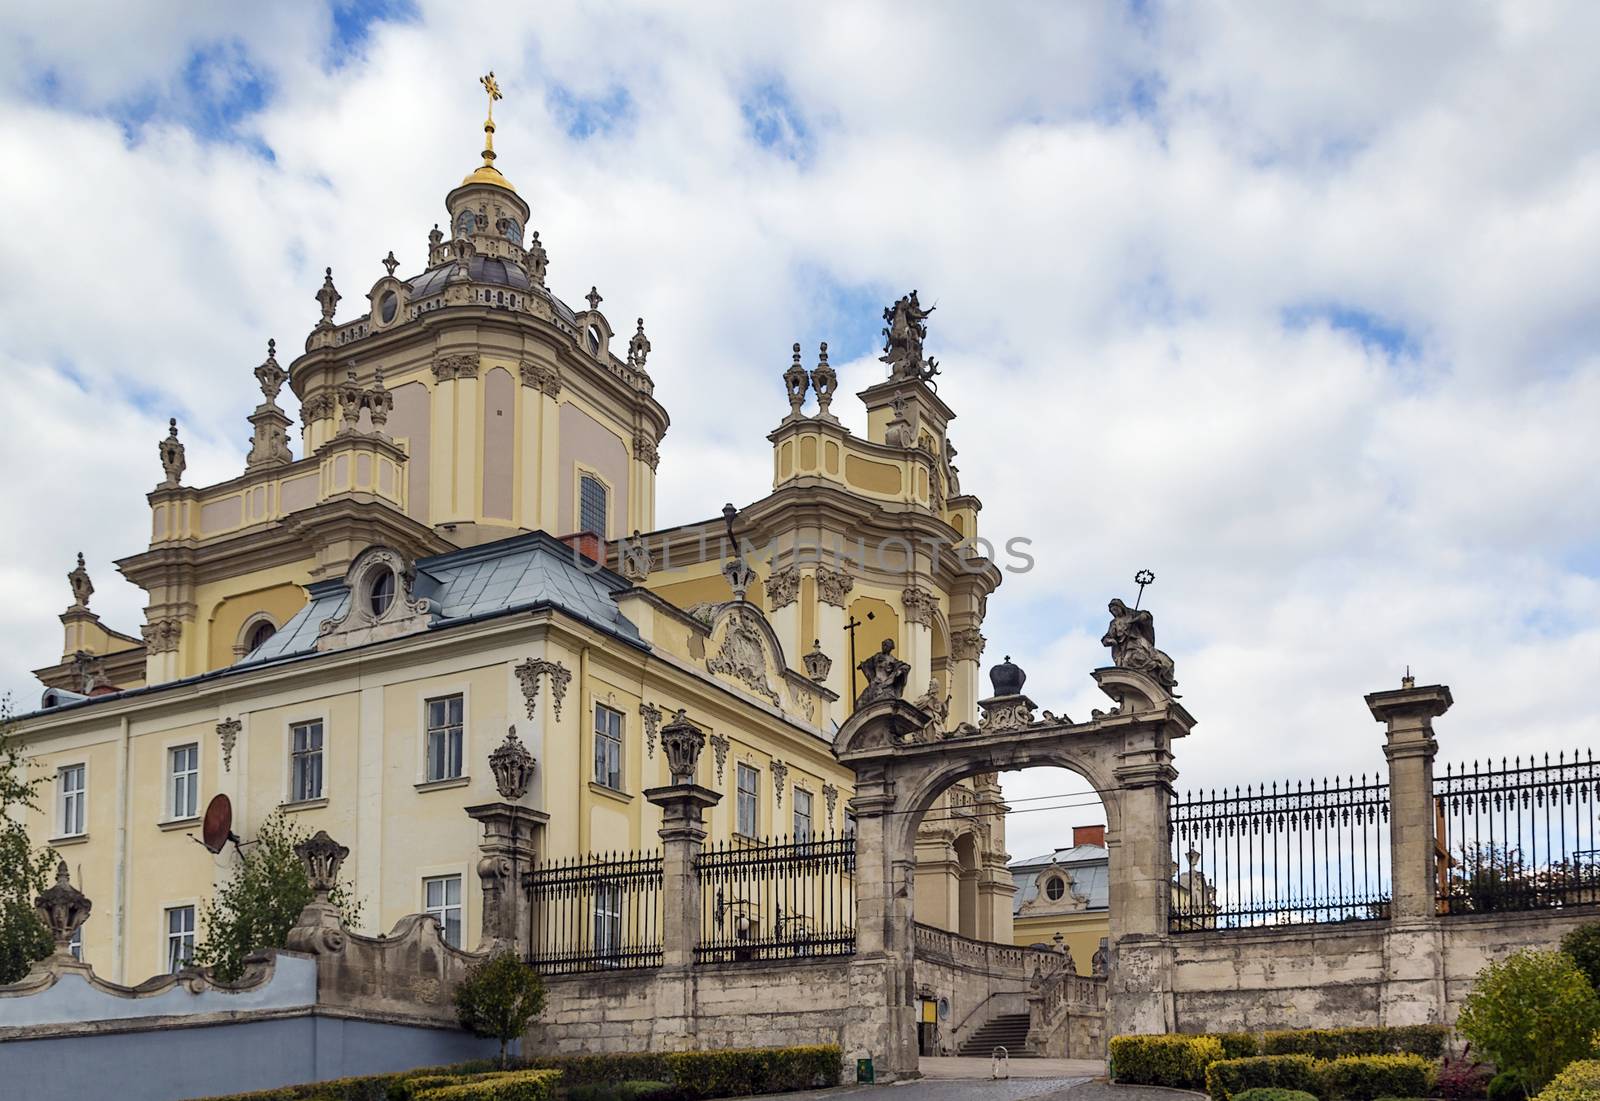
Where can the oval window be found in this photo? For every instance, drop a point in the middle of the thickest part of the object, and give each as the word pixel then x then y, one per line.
pixel 387 306
pixel 380 593
pixel 1054 888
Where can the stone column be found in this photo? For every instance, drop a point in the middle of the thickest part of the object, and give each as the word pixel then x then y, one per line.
pixel 683 805
pixel 1408 713
pixel 510 849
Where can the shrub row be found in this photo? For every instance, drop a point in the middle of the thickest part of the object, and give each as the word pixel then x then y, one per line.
pixel 1347 1078
pixel 1330 1043
pixel 1579 1082
pixel 1272 1093
pixel 517 1085
pixel 1180 1061
pixel 697 1074
pixel 1176 1061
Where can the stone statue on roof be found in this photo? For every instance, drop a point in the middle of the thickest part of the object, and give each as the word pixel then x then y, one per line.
pixel 902 348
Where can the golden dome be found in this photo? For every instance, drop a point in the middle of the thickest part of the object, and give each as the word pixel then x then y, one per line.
pixel 487 174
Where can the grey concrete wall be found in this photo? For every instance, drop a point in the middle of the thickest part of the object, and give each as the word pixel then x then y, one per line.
pixel 177 1059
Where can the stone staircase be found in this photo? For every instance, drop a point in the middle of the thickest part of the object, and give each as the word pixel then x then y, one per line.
pixel 1008 1030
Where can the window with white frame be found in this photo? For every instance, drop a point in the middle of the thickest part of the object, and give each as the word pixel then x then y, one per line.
pixel 180 937
pixel 305 761
pixel 748 801
pixel 592 510
pixel 444 737
pixel 607 919
pixel 802 814
pixel 183 783
pixel 441 897
pixel 70 799
pixel 608 747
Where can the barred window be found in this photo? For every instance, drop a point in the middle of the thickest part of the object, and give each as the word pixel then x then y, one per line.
pixel 748 801
pixel 802 815
pixel 592 505
pixel 607 919
pixel 607 747
pixel 305 755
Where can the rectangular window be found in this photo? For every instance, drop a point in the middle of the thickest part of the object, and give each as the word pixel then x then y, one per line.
pixel 444 738
pixel 607 747
pixel 592 509
pixel 180 937
pixel 75 945
pixel 442 899
pixel 305 761
pixel 802 815
pixel 183 766
pixel 607 919
pixel 70 785
pixel 748 801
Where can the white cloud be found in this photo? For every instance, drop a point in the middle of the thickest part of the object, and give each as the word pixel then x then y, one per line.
pixel 1149 237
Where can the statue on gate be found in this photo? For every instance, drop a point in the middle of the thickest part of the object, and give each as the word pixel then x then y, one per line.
pixel 1132 638
pixel 936 702
pixel 886 676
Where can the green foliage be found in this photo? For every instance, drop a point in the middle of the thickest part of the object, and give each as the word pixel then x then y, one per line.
pixel 696 1074
pixel 1176 1061
pixel 1367 1077
pixel 259 905
pixel 623 1091
pixel 577 1070
pixel 1272 1093
pixel 1228 1077
pixel 1331 1043
pixel 1583 945
pixel 1532 1013
pixel 1237 1045
pixel 517 1085
pixel 498 998
pixel 24 871
pixel 1579 1082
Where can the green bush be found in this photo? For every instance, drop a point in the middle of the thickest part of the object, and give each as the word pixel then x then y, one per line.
pixel 1331 1043
pixel 1579 1082
pixel 1237 1045
pixel 1583 945
pixel 1532 1013
pixel 517 1085
pixel 697 1074
pixel 498 997
pixel 581 1070
pixel 1508 1085
pixel 1367 1077
pixel 1228 1077
pixel 1272 1093
pixel 622 1091
pixel 373 1087
pixel 1176 1061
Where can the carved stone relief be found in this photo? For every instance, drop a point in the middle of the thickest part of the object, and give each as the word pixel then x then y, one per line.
pixel 783 587
pixel 228 736
pixel 920 605
pixel 743 654
pixel 833 586
pixel 652 722
pixel 450 367
pixel 529 673
pixel 966 644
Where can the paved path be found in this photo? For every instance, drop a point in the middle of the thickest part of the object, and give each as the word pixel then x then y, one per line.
pixel 956 1079
pixel 956 1066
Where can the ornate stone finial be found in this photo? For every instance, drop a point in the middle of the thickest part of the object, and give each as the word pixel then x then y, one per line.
pixel 594 299
pixel 886 676
pixel 795 381
pixel 492 88
pixel 682 742
pixel 739 575
pixel 350 395
pixel 1007 678
pixel 637 562
pixel 321 856
pixel 512 766
pixel 270 375
pixel 390 263
pixel 638 348
pixel 63 908
pixel 172 460
pixel 817 664
pixel 903 337
pixel 824 380
pixel 1132 638
pixel 327 298
pixel 379 401
pixel 82 587
pixel 538 260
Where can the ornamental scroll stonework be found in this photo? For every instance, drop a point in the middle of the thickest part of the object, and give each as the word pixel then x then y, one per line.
pixel 228 735
pixel 920 604
pixel 719 747
pixel 161 636
pixel 743 655
pixel 546 380
pixel 529 673
pixel 966 644
pixel 450 367
pixel 652 722
pixel 783 587
pixel 780 776
pixel 833 586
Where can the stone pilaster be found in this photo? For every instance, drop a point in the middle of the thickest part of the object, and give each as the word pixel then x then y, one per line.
pixel 510 848
pixel 683 837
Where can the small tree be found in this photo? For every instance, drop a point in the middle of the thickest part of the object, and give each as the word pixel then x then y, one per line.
pixel 1532 1013
pixel 24 870
pixel 259 905
pixel 498 998
pixel 1583 945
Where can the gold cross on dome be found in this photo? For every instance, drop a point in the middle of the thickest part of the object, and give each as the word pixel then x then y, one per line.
pixel 492 86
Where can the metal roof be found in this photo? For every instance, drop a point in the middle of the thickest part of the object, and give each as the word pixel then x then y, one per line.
pixel 1088 865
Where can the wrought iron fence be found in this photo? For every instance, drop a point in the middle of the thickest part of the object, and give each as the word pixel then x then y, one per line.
pixel 596 913
pixel 1296 855
pixel 777 900
pixel 1517 837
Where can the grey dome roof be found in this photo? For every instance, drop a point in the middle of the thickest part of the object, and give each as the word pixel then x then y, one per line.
pixel 485 269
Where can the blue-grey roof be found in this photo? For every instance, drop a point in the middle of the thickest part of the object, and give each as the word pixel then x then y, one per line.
pixel 1087 864
pixel 523 572
pixel 483 269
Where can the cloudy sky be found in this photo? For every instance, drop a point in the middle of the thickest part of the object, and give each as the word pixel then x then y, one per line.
pixel 1295 305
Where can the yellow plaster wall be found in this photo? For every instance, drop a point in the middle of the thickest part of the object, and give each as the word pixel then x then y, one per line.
pixel 280 601
pixel 1082 931
pixel 885 623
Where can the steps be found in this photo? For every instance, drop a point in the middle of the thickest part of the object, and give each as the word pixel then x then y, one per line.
pixel 1009 1030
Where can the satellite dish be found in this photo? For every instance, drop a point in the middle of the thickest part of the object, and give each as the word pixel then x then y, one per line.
pixel 217 829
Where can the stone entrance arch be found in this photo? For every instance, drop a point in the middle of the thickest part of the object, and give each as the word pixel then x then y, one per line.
pixel 902 762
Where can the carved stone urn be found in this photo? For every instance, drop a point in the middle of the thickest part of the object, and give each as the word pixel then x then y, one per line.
pixel 63 908
pixel 512 766
pixel 682 742
pixel 322 856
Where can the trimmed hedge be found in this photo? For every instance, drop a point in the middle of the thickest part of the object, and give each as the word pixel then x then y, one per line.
pixel 517 1085
pixel 1237 1045
pixel 1270 1093
pixel 697 1074
pixel 1176 1061
pixel 1331 1043
pixel 583 1070
pixel 1579 1082
pixel 622 1091
pixel 1227 1077
pixel 1368 1077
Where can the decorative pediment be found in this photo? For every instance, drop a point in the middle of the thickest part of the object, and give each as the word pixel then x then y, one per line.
pixel 745 650
pixel 384 601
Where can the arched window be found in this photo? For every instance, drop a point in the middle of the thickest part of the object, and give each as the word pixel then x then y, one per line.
pixel 259 634
pixel 380 593
pixel 592 505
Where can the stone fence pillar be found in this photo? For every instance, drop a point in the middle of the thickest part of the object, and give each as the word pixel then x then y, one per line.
pixel 683 805
pixel 510 851
pixel 1408 713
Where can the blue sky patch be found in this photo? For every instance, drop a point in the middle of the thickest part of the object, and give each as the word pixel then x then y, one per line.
pixel 582 117
pixel 353 20
pixel 1367 327
pixel 776 123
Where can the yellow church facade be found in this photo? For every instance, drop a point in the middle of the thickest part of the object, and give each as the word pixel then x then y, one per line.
pixel 464 550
